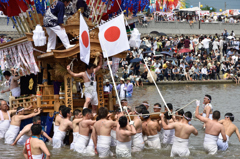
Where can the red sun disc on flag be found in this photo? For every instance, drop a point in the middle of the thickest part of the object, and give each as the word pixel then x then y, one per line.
pixel 112 34
pixel 85 38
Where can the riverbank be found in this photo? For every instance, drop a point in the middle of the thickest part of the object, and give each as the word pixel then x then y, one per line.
pixel 189 82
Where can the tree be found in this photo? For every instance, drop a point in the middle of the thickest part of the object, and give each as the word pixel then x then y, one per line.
pixel 208 8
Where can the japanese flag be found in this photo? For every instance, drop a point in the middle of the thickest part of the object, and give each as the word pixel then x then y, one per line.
pixel 113 37
pixel 84 41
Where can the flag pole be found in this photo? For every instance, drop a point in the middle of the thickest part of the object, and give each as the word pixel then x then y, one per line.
pixel 114 84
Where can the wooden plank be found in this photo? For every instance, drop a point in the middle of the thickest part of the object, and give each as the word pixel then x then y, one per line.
pixel 68 91
pixel 100 90
pixel 56 103
pixel 110 102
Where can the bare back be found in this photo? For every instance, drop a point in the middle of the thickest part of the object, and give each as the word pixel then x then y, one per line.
pixel 16 120
pixel 65 125
pixel 213 127
pixel 103 127
pixel 58 120
pixel 121 135
pixel 36 146
pixel 14 83
pixel 138 125
pixel 75 123
pixel 229 127
pixel 150 128
pixel 183 130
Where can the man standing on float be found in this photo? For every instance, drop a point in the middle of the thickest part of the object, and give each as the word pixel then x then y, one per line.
pixel 53 21
pixel 89 83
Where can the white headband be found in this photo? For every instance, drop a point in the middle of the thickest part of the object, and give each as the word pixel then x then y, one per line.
pixel 157 107
pixel 229 116
pixel 20 110
pixel 187 118
pixel 145 104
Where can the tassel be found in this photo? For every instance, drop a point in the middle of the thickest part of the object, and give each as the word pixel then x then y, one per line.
pixel 74 89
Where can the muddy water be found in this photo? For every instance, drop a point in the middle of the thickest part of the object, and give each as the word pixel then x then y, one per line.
pixel 225 98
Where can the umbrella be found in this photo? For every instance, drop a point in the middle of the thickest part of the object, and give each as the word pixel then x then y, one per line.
pixel 146 52
pixel 184 50
pixel 154 32
pixel 166 53
pixel 161 34
pixel 136 60
pixel 143 47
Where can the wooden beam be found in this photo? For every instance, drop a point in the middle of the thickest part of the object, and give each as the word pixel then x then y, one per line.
pixel 68 91
pixel 100 90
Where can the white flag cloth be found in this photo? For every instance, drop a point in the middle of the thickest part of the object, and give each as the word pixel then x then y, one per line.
pixel 84 41
pixel 113 37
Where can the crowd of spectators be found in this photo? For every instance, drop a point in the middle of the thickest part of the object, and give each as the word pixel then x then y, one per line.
pixel 195 18
pixel 4 39
pixel 210 57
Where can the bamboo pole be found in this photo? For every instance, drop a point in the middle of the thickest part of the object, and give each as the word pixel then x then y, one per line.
pixel 20 26
pixel 101 14
pixel 30 21
pixel 25 28
pixel 95 10
pixel 27 24
pixel 98 11
pixel 37 15
pixel 15 26
pixel 34 21
pixel 91 10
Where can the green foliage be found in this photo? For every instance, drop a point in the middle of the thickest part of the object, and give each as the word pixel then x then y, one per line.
pixel 208 8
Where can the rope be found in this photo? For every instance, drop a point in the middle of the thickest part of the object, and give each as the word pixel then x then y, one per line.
pixel 186 105
pixel 71 63
pixel 169 112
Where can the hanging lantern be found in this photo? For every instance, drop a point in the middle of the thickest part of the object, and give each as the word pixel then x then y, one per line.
pixel 201 5
pixel 220 10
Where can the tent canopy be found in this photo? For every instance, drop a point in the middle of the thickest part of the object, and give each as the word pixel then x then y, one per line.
pixel 190 9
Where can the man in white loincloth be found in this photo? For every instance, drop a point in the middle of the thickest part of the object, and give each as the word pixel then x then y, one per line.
pixel 65 125
pixel 58 118
pixel 123 148
pixel 84 131
pixel 150 129
pixel 53 22
pixel 34 147
pixel 90 84
pixel 5 118
pixel 102 133
pixel 182 132
pixel 14 127
pixel 77 118
pixel 137 139
pixel 230 128
pixel 26 132
pixel 212 131
pixel 13 84
pixel 208 109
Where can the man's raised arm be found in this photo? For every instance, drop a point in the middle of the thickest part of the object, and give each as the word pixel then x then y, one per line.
pixel 74 74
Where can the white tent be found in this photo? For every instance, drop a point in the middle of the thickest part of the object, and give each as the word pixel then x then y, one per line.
pixel 190 9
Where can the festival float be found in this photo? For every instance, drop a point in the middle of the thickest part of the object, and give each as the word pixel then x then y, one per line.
pixel 45 82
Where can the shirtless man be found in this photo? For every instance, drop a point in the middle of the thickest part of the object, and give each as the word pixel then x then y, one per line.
pixel 146 104
pixel 14 128
pixel 13 84
pixel 5 118
pixel 89 83
pixel 208 109
pixel 65 125
pixel 168 135
pixel 102 133
pixel 157 107
pixel 84 131
pixel 58 118
pixel 25 133
pixel 230 128
pixel 179 115
pixel 212 131
pixel 77 118
pixel 150 129
pixel 137 139
pixel 123 148
pixel 34 147
pixel 182 132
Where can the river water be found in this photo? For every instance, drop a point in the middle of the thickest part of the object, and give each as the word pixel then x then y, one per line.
pixel 224 98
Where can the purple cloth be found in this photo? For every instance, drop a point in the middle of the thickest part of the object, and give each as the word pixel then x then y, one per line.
pixel 56 86
pixel 129 88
